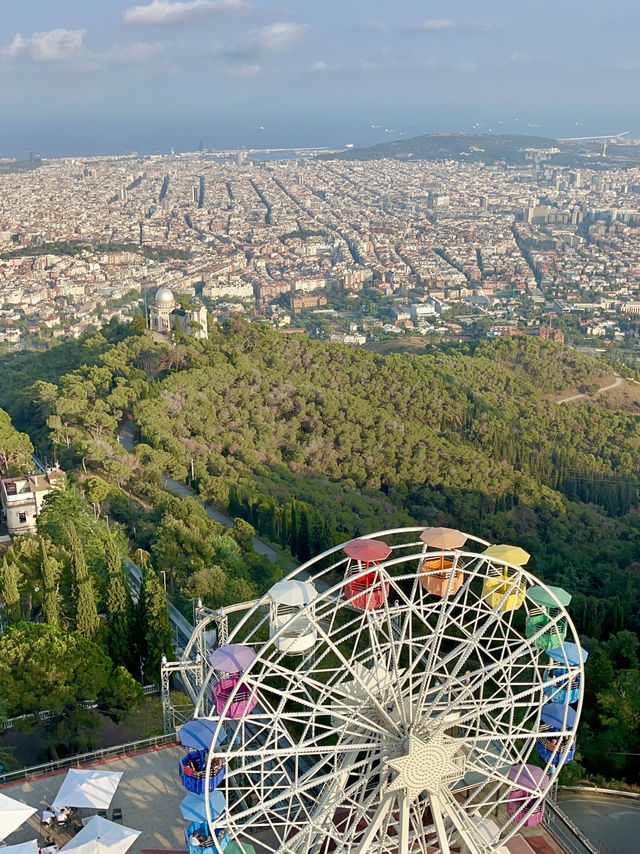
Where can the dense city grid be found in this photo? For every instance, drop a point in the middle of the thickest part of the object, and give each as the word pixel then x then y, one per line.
pixel 435 241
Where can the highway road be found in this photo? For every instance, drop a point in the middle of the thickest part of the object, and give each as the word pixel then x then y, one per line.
pixel 607 819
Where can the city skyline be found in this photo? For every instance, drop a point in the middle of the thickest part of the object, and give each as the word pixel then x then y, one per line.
pixel 150 75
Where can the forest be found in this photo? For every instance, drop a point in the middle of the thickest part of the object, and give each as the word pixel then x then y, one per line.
pixel 313 443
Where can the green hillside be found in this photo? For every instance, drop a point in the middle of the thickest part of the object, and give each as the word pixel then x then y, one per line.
pixel 314 443
pixel 512 149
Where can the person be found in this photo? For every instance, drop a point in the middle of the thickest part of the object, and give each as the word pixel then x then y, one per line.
pixel 194 839
pixel 188 770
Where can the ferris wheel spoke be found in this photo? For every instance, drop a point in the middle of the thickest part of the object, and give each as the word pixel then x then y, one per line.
pixel 335 697
pixel 463 825
pixel 357 678
pixel 438 820
pixel 376 822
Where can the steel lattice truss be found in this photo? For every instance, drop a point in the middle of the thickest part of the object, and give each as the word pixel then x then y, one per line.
pixel 396 731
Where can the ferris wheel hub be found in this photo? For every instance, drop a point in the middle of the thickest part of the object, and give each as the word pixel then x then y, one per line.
pixel 426 766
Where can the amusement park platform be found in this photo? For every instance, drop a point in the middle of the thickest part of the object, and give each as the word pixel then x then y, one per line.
pixel 149 796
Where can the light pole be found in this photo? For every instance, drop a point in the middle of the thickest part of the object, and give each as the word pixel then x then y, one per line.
pixel 164 580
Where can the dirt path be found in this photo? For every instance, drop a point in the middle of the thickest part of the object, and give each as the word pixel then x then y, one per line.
pixel 615 384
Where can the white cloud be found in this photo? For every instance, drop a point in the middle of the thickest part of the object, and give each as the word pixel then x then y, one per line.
pixel 520 59
pixel 50 46
pixel 320 65
pixel 372 26
pixel 280 38
pixel 139 52
pixel 434 25
pixel 629 65
pixel 270 40
pixel 467 66
pixel 439 25
pixel 244 70
pixel 165 13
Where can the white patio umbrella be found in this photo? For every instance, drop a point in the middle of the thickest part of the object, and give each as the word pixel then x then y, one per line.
pixel 12 814
pixel 100 836
pixel 87 788
pixel 22 848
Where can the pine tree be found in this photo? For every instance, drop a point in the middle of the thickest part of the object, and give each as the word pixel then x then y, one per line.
pixel 11 589
pixel 156 626
pixel 119 608
pixel 50 573
pixel 87 620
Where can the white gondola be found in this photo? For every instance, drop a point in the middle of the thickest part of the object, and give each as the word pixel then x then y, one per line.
pixel 288 599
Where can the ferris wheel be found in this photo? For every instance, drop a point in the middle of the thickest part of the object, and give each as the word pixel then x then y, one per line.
pixel 411 691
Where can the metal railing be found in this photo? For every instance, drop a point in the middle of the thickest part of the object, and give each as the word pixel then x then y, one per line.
pixel 80 759
pixel 565 831
pixel 47 714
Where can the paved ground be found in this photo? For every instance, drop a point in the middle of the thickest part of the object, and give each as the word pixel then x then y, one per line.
pixel 609 819
pixel 149 796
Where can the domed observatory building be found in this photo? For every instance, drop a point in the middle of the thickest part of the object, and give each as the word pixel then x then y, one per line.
pixel 165 315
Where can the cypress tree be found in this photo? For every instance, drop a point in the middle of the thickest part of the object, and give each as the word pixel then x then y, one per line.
pixel 156 626
pixel 51 601
pixel 11 589
pixel 87 620
pixel 293 532
pixel 284 528
pixel 303 535
pixel 118 607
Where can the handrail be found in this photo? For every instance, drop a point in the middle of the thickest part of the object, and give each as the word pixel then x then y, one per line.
pixel 106 753
pixel 596 790
pixel 47 714
pixel 570 834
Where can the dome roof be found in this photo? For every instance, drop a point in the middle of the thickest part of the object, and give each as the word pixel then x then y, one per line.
pixel 164 295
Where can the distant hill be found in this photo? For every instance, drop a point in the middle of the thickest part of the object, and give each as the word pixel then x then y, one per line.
pixel 512 149
pixel 9 166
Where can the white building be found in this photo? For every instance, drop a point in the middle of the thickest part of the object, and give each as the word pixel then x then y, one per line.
pixel 22 499
pixel 165 315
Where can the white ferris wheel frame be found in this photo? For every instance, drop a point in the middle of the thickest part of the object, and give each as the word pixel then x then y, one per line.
pixel 274 778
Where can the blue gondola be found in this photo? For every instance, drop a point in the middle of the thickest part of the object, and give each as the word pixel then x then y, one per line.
pixel 200 829
pixel 193 807
pixel 556 747
pixel 565 656
pixel 198 736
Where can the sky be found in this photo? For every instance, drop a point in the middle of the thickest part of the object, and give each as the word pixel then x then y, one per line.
pixel 114 76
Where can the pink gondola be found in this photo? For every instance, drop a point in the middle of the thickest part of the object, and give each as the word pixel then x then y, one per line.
pixel 244 699
pixel 231 660
pixel 526 799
